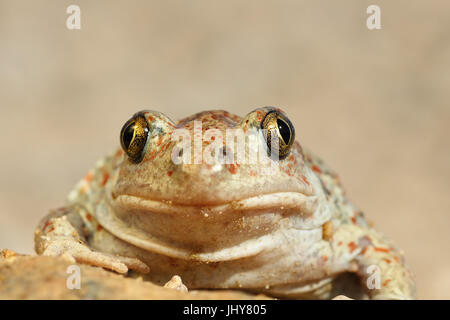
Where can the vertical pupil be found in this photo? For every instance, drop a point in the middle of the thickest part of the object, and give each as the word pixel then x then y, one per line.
pixel 128 135
pixel 284 130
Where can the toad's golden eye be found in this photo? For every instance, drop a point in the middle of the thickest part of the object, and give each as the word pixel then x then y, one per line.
pixel 133 137
pixel 277 123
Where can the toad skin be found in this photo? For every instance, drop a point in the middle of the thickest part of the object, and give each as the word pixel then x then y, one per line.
pixel 291 233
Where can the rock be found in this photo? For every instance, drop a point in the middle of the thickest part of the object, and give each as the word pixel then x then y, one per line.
pixel 39 277
pixel 342 297
pixel 177 284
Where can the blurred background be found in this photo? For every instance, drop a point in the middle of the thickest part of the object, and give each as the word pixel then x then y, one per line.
pixel 373 104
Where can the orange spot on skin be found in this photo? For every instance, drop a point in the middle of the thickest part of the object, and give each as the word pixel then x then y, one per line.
pixel 397 259
pixel 88 177
pixel 99 228
pixel 354 220
pixel 325 258
pixel 119 153
pixel 260 115
pixel 152 154
pixel 340 243
pixel 51 229
pixel 352 246
pixel 305 180
pixel 105 178
pixel 88 217
pixel 47 224
pixel 316 169
pixel 386 282
pixel 169 173
pixel 151 118
pixel 233 168
pixel 378 249
pixel 364 250
pixel 165 146
pixel 387 261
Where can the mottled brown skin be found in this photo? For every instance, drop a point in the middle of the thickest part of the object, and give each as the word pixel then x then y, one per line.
pixel 292 233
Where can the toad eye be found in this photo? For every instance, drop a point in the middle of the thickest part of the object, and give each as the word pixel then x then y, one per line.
pixel 133 137
pixel 277 123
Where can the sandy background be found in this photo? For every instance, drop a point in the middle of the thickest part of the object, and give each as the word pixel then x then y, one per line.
pixel 373 104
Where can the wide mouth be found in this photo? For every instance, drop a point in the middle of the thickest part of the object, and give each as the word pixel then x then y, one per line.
pixel 305 205
pixel 176 217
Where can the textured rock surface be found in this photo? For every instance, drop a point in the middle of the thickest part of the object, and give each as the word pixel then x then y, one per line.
pixel 373 103
pixel 38 277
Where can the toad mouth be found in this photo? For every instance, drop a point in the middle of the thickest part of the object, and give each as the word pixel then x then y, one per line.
pixel 251 247
pixel 283 200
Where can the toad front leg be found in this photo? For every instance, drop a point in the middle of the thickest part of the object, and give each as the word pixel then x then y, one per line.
pixel 63 231
pixel 379 265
